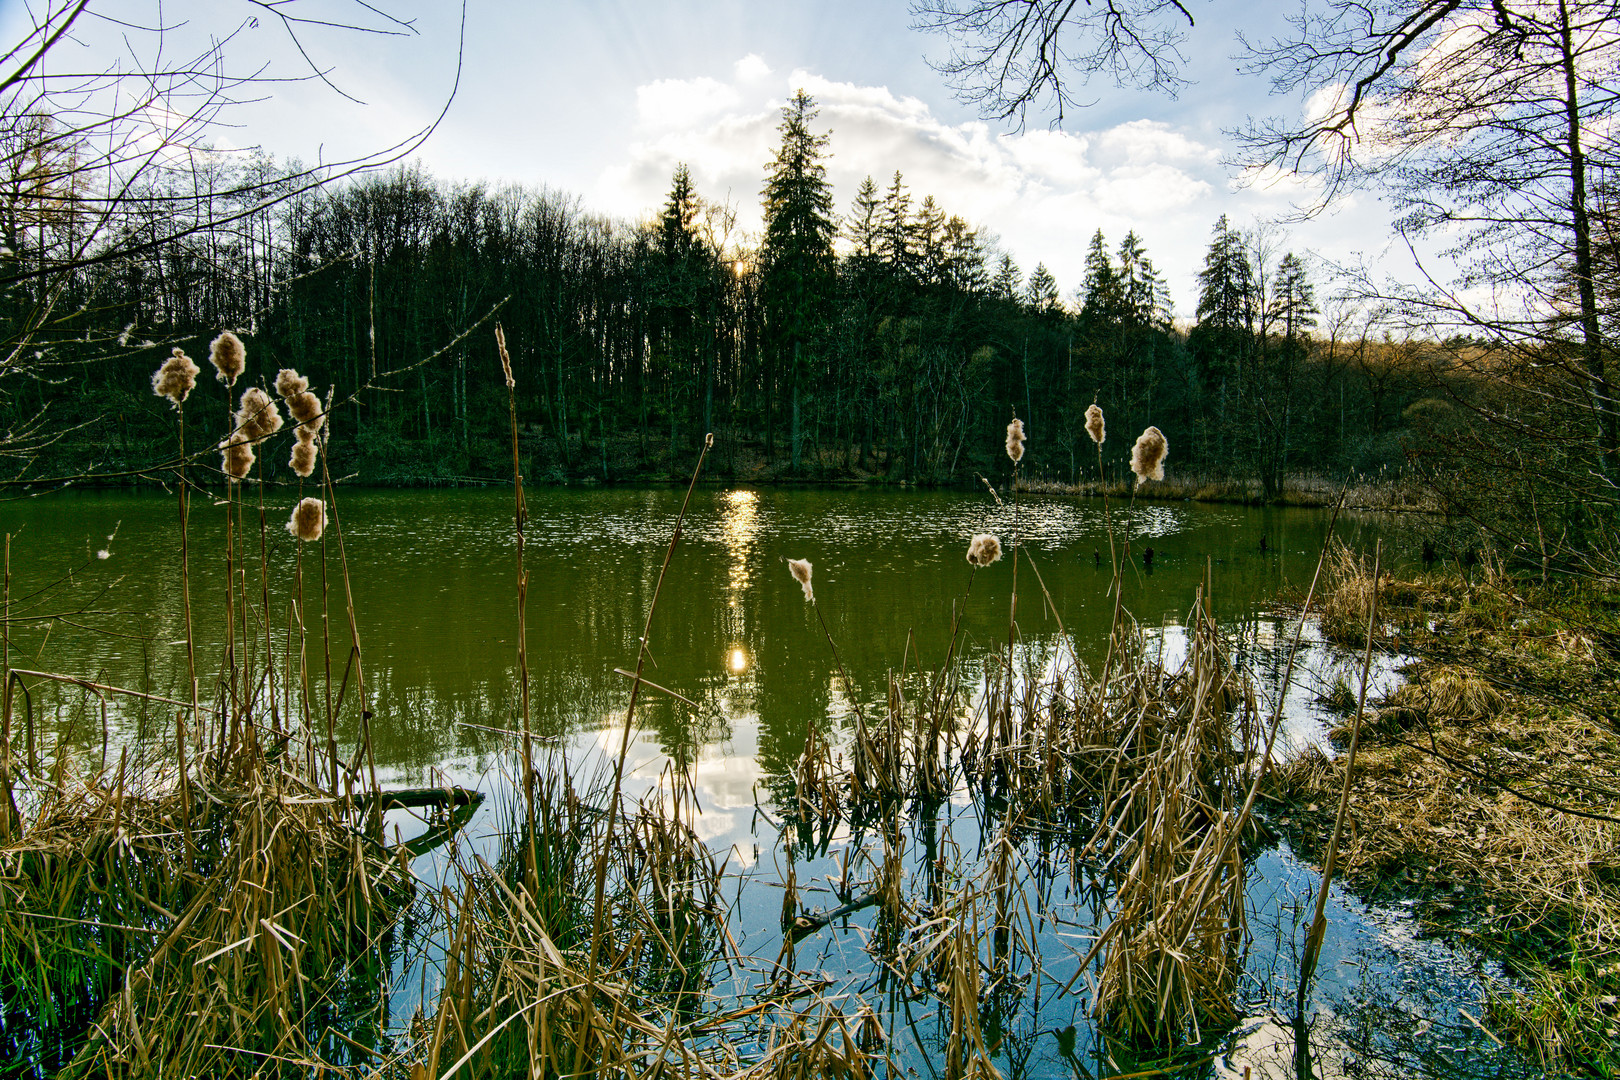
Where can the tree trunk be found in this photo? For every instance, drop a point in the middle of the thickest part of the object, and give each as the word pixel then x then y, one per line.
pixel 1608 422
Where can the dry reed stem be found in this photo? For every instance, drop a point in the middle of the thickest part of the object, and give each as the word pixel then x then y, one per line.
pixel 1318 927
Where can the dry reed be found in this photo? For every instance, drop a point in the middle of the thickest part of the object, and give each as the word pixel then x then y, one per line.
pixel 228 356
pixel 1148 454
pixel 175 378
pixel 983 550
pixel 1094 423
pixel 308 521
pixel 801 571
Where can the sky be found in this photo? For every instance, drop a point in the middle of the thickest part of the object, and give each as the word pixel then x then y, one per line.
pixel 603 98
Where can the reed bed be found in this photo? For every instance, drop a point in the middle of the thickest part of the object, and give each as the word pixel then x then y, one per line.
pixel 1485 792
pixel 228 906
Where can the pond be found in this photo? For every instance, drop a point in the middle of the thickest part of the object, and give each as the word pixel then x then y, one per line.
pixel 433 578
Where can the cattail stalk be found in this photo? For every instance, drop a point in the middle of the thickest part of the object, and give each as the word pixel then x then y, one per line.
pixel 520 517
pixel 12 822
pixel 624 750
pixel 364 746
pixel 1313 939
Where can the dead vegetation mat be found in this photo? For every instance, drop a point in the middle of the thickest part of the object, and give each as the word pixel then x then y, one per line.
pixel 1487 789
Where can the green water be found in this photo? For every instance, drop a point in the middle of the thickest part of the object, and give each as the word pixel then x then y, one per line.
pixel 433 576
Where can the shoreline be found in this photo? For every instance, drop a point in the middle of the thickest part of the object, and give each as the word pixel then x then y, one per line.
pixel 1304 492
pixel 1482 791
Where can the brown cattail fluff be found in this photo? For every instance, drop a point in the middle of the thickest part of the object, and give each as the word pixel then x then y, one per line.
pixel 1094 423
pixel 1147 456
pixel 801 573
pixel 257 417
pixel 303 456
pixel 983 550
pixel 1015 441
pixel 229 357
pixel 289 383
pixel 308 520
pixel 306 409
pixel 238 460
pixel 175 378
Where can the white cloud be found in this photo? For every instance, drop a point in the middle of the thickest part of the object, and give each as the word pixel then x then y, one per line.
pixel 751 68
pixel 677 103
pixel 1042 192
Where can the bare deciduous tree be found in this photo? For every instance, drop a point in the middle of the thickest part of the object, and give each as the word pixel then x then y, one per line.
pixel 1007 55
pixel 105 157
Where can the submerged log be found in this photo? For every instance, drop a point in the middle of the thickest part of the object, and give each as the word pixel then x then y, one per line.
pixel 412 798
pixel 811 921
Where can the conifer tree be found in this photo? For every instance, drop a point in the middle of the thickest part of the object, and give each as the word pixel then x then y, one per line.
pixel 1042 292
pixel 896 236
pixel 1293 299
pixel 1008 279
pixel 863 229
pixel 797 252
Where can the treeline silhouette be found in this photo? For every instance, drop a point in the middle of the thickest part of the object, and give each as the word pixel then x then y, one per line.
pixel 891 341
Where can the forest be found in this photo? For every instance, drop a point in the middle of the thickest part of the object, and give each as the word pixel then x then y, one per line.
pixel 300 780
pixel 884 341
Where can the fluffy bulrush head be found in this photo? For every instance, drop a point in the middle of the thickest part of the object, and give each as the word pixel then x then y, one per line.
pixel 238 459
pixel 801 568
pixel 175 378
pixel 1015 440
pixel 308 520
pixel 289 383
pixel 257 417
pixel 306 409
pixel 1094 423
pixel 1147 456
pixel 229 357
pixel 303 457
pixel 983 549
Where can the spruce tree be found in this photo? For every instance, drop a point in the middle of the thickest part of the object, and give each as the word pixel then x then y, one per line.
pixel 896 237
pixel 863 228
pixel 1293 300
pixel 1005 285
pixel 1042 292
pixel 797 252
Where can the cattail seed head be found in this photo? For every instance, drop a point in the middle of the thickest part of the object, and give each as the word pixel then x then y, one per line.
pixel 983 550
pixel 175 378
pixel 308 520
pixel 303 456
pixel 1094 423
pixel 1147 456
pixel 238 459
pixel 257 417
pixel 306 409
pixel 1015 440
pixel 229 357
pixel 801 573
pixel 289 383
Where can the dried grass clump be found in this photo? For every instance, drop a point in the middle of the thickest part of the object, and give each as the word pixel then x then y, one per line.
pixel 1445 693
pixel 190 935
pixel 257 417
pixel 1094 423
pixel 801 568
pixel 983 550
pixel 308 520
pixel 228 356
pixel 1147 456
pixel 176 378
pixel 1015 440
pixel 289 383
